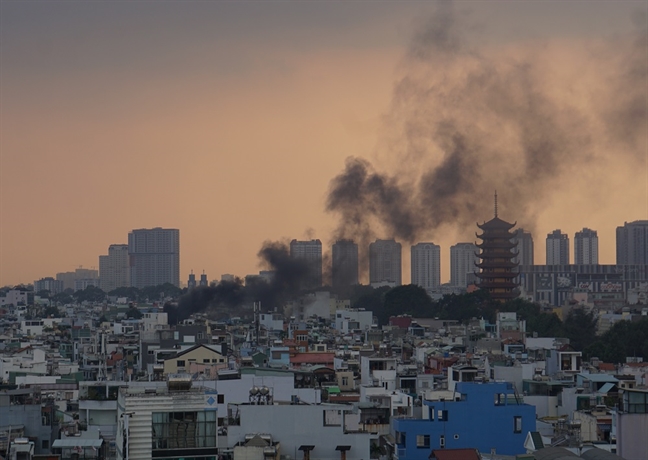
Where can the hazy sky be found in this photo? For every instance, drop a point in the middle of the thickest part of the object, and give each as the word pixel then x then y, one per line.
pixel 228 120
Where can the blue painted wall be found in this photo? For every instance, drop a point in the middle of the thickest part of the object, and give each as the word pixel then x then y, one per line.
pixel 474 420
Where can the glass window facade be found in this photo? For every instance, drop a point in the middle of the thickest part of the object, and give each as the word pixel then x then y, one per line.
pixel 177 430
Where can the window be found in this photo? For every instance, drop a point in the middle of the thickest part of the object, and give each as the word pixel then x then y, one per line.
pixel 206 361
pixel 422 441
pixel 220 399
pixel 45 444
pixel 442 415
pixel 181 363
pixel 214 360
pixel 442 441
pixel 345 381
pixel 200 336
pixel 517 424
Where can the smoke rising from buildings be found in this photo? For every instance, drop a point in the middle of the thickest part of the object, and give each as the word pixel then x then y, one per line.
pixel 288 273
pixel 467 119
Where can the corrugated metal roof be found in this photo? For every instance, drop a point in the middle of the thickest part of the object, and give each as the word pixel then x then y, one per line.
pixel 606 388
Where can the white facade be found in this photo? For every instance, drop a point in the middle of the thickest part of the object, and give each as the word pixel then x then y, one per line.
pixel 426 265
pixel 155 321
pixel 463 257
pixel 348 320
pixel 272 321
pixel 322 426
pixel 586 247
pixel 14 297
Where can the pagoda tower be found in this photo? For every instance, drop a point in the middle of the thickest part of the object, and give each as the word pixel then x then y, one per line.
pixel 497 269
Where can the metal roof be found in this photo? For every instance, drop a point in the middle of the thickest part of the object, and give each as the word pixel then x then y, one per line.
pixel 77 442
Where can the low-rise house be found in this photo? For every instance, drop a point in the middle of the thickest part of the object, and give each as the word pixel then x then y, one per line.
pixel 198 358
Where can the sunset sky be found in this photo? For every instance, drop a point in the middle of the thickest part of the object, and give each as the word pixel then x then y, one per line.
pixel 228 120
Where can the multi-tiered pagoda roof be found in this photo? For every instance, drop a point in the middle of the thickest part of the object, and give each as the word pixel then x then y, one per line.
pixel 497 251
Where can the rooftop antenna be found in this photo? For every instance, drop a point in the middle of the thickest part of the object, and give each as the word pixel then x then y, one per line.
pixel 495 203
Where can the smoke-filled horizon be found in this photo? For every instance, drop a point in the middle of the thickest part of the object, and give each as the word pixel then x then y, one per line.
pixel 467 120
pixel 288 277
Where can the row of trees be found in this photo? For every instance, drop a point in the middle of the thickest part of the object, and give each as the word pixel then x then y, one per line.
pixel 624 339
pixel 95 294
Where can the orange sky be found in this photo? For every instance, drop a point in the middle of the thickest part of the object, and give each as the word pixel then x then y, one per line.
pixel 229 124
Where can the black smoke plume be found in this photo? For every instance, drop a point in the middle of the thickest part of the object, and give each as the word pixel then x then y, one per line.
pixel 467 120
pixel 227 294
pixel 288 277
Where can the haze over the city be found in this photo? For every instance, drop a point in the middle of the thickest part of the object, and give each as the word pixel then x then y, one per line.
pixel 229 121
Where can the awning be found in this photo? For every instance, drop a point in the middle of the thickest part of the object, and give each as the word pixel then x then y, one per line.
pixel 606 388
pixel 77 442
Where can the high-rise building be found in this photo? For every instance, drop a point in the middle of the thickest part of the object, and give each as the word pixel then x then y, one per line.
pixel 154 257
pixel 385 262
pixel 557 248
pixel 463 260
pixel 586 247
pixel 426 265
pixel 69 279
pixel 344 266
pixel 114 269
pixel 524 241
pixel 48 284
pixel 311 252
pixel 632 243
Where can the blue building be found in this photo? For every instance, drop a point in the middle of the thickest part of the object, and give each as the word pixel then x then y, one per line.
pixel 484 416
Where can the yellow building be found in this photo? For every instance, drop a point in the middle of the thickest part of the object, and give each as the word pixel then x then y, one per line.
pixel 195 359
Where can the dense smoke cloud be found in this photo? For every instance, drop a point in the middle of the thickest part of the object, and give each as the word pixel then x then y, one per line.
pixel 228 294
pixel 288 275
pixel 467 120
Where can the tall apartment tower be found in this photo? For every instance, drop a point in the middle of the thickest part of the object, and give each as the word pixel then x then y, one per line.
pixel 586 247
pixel 524 241
pixel 557 248
pixel 154 257
pixel 426 265
pixel 311 252
pixel 463 260
pixel 632 243
pixel 114 270
pixel 385 262
pixel 344 267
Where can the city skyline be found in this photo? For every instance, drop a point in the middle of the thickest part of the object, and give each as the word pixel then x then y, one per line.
pixel 325 256
pixel 210 126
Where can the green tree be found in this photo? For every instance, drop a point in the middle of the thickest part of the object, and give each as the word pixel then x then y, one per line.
pixel 373 300
pixel 580 328
pixel 623 339
pixel 409 299
pixel 90 294
pixel 133 313
pixel 51 312
pixel 64 298
pixel 131 293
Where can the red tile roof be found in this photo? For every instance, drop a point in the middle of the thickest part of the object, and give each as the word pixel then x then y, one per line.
pixel 455 454
pixel 313 358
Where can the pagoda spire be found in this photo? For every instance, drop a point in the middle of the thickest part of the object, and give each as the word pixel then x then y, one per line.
pixel 495 203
